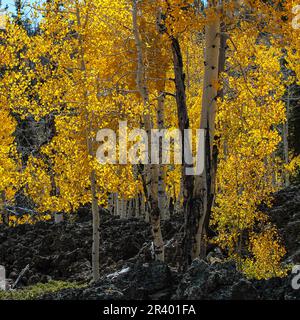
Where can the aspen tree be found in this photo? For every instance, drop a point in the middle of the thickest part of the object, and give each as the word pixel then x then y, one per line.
pixel 205 184
pixel 151 170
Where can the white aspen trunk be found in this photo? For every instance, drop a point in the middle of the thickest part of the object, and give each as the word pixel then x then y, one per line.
pixel 198 191
pixel 130 208
pixel 126 203
pixel 126 206
pixel 162 195
pixel 110 203
pixel 204 188
pixel 137 207
pixel 152 171
pixel 58 217
pixel 96 229
pixel 143 209
pixel 122 209
pixel 118 205
pixel 115 204
pixel 93 178
pixel 286 140
pixel 178 198
pixel 273 173
pixel 3 211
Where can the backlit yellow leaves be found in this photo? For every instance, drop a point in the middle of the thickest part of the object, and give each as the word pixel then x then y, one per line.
pixel 80 69
pixel 10 166
pixel 268 253
pixel 249 170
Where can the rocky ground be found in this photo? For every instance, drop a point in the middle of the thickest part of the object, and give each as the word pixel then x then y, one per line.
pixel 63 251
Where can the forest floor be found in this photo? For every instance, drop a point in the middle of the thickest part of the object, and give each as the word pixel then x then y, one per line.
pixel 63 251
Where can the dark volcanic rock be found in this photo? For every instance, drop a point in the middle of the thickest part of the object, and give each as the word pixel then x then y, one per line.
pixel 277 289
pixel 285 213
pixel 63 251
pixel 221 281
pixel 208 281
pixel 244 290
pixel 139 281
pixel 135 282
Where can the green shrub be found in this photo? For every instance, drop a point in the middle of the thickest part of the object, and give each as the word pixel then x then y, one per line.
pixel 35 291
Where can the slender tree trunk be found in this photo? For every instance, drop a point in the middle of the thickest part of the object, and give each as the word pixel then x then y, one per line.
pixel 143 209
pixel 93 178
pixel 130 209
pixel 204 191
pixel 152 171
pixel 117 202
pixel 188 181
pixel 137 207
pixel 286 140
pixel 3 210
pixel 178 198
pixel 58 216
pixel 123 209
pixel 162 195
pixel 198 191
pixel 110 203
pixel 96 229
